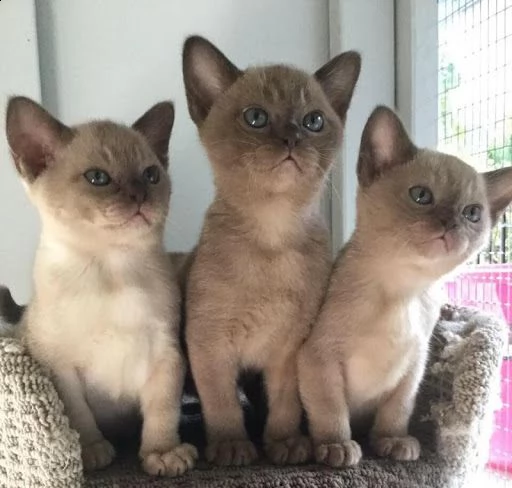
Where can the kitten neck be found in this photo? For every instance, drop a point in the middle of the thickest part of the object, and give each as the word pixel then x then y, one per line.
pixel 273 223
pixel 387 269
pixel 56 235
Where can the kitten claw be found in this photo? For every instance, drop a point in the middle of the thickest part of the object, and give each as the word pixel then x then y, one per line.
pixel 97 455
pixel 231 453
pixel 406 448
pixel 175 462
pixel 294 450
pixel 338 455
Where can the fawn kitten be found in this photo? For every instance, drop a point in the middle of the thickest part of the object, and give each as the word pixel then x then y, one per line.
pixel 420 213
pixel 262 263
pixel 104 316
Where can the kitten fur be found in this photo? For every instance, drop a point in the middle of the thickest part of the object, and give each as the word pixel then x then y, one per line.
pixel 367 351
pixel 10 312
pixel 104 315
pixel 262 262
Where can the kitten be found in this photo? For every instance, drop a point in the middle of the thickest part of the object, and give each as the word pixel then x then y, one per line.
pixel 104 316
pixel 262 262
pixel 420 214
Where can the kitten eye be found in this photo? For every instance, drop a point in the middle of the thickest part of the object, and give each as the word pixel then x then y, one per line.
pixel 97 177
pixel 421 195
pixel 473 213
pixel 256 117
pixel 152 174
pixel 313 121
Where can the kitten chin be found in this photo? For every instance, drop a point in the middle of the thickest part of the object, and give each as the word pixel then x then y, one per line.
pixel 104 317
pixel 420 214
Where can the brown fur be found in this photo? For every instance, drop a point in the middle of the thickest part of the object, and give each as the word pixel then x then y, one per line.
pixel 181 262
pixel 262 262
pixel 367 351
pixel 104 316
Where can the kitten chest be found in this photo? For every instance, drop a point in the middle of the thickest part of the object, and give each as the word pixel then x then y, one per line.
pixel 393 344
pixel 111 332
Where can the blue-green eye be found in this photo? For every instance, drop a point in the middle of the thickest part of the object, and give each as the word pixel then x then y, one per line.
pixel 152 174
pixel 97 177
pixel 256 117
pixel 473 213
pixel 313 121
pixel 421 195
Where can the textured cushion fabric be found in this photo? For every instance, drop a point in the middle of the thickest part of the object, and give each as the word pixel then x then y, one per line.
pixel 452 421
pixel 37 447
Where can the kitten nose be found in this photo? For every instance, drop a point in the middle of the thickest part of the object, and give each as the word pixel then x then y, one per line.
pixel 291 136
pixel 137 192
pixel 448 224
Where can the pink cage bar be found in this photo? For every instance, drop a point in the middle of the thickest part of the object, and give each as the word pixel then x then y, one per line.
pixel 489 288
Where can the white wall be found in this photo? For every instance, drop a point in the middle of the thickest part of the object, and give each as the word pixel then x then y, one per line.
pixel 114 59
pixel 19 225
pixel 367 26
pixel 417 65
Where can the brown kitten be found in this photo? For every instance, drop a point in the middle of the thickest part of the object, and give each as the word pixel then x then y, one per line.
pixel 420 214
pixel 104 316
pixel 262 262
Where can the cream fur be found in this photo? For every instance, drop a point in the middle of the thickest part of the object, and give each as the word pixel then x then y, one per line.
pixel 367 351
pixel 104 316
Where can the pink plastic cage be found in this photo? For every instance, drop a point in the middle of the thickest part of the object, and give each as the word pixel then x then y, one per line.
pixel 489 288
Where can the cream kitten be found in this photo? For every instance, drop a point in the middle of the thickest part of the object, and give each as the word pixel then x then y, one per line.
pixel 262 263
pixel 104 315
pixel 420 213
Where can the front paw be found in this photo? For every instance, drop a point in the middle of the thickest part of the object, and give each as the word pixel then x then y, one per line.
pixel 172 463
pixel 294 450
pixel 231 453
pixel 406 448
pixel 338 455
pixel 97 455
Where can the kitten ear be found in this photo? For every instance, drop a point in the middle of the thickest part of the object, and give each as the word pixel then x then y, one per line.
pixel 156 126
pixel 338 78
pixel 499 191
pixel 207 73
pixel 384 144
pixel 34 136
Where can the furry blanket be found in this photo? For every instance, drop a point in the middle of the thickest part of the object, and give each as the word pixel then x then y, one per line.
pixel 452 421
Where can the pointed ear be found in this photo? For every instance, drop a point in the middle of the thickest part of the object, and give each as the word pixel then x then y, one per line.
pixel 499 191
pixel 384 144
pixel 338 78
pixel 34 136
pixel 207 73
pixel 156 126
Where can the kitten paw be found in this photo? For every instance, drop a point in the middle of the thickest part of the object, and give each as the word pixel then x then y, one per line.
pixel 231 453
pixel 97 455
pixel 294 450
pixel 343 454
pixel 405 448
pixel 172 463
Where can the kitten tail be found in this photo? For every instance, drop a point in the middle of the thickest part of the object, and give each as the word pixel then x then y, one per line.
pixel 10 313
